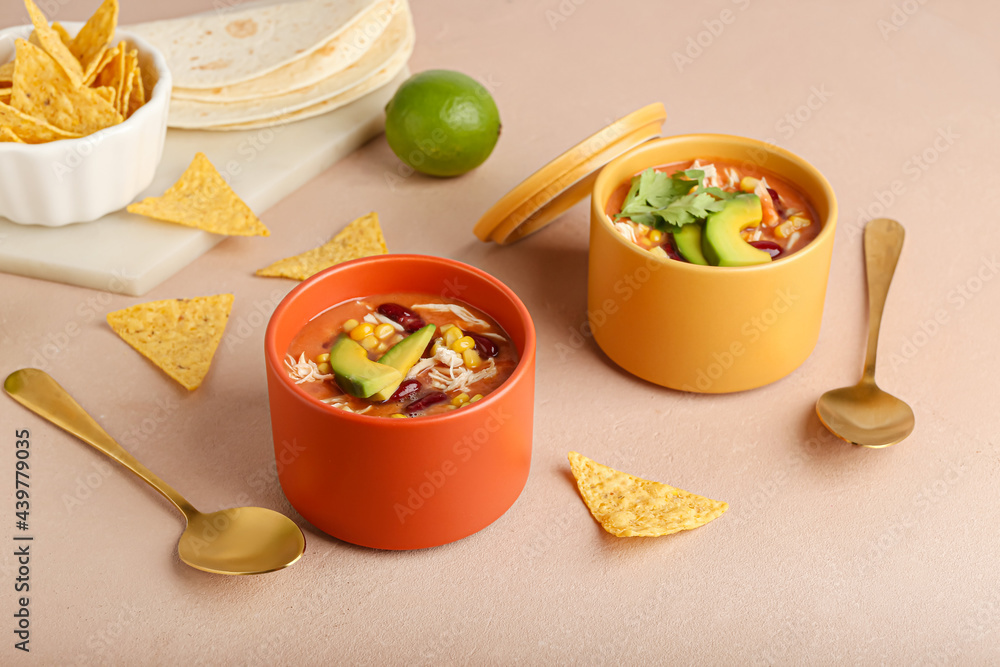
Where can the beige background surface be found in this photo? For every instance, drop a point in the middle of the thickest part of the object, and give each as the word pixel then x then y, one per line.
pixel 829 554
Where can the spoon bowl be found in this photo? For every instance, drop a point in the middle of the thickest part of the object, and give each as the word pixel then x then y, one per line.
pixel 242 540
pixel 864 414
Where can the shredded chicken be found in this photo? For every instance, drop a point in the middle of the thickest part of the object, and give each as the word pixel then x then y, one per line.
pixel 711 173
pixel 463 379
pixel 462 313
pixel 420 367
pixel 761 189
pixel 341 403
pixel 379 318
pixel 446 371
pixel 626 230
pixel 734 179
pixel 304 370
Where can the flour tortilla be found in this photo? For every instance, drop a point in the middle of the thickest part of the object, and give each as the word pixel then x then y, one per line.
pixel 389 73
pixel 332 57
pixel 386 57
pixel 233 45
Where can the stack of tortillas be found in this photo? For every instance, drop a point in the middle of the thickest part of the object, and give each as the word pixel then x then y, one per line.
pixel 243 68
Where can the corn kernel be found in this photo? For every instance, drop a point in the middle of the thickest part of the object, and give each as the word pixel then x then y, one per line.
pixel 349 325
pixel 369 342
pixel 655 236
pixel 383 331
pixel 658 251
pixel 382 347
pixel 464 343
pixel 784 230
pixel 451 335
pixel 800 221
pixel 475 398
pixel 397 416
pixel 323 357
pixel 361 331
pixel 438 344
pixel 748 184
pixel 461 399
pixel 472 358
pixel 323 368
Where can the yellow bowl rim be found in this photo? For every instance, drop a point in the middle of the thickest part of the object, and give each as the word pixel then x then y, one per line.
pixel 829 224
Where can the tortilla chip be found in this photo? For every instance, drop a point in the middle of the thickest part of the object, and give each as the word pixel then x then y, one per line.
pixel 100 63
pixel 94 37
pixel 178 335
pixel 110 74
pixel 107 92
pixel 7 134
pixel 627 506
pixel 7 73
pixel 41 89
pixel 361 238
pixel 125 90
pixel 5 95
pixel 49 40
pixel 202 199
pixel 138 96
pixel 63 35
pixel 31 130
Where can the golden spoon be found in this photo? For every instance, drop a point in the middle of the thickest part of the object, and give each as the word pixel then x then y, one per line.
pixel 242 540
pixel 864 414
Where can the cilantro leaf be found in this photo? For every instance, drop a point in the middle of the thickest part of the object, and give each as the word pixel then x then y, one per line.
pixel 690 208
pixel 719 193
pixel 670 202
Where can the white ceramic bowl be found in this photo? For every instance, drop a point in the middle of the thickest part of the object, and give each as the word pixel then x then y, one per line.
pixel 79 180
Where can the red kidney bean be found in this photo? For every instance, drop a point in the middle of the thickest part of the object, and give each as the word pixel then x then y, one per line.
pixel 402 315
pixel 670 247
pixel 426 401
pixel 407 388
pixel 770 247
pixel 485 346
pixel 777 201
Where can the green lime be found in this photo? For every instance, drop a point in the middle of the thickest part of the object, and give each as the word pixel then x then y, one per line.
pixel 442 123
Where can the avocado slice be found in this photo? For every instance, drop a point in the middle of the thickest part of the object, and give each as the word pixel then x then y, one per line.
pixel 356 373
pixel 722 243
pixel 402 356
pixel 688 242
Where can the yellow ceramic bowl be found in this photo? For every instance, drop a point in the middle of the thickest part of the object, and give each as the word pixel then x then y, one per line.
pixel 707 329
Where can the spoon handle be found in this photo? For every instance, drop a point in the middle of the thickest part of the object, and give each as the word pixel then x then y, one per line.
pixel 883 243
pixel 37 391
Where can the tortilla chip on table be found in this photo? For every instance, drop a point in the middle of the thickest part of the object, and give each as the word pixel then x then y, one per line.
pixel 201 198
pixel 628 506
pixel 178 335
pixel 361 238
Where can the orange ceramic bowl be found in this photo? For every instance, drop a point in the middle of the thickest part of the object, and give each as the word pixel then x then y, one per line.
pixel 707 329
pixel 401 483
